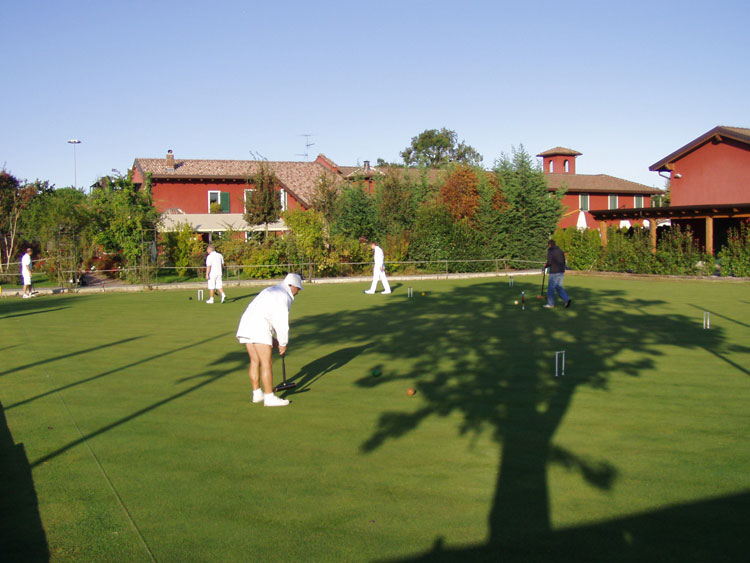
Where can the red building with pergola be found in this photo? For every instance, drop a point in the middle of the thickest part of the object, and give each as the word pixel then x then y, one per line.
pixel 709 185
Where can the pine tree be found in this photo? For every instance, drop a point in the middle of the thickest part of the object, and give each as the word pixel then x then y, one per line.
pixel 263 206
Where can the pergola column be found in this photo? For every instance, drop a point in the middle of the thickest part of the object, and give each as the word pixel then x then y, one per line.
pixel 652 225
pixel 603 233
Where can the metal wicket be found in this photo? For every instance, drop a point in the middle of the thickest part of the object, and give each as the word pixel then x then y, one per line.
pixel 410 292
pixel 560 355
pixel 511 283
pixel 706 320
pixel 200 295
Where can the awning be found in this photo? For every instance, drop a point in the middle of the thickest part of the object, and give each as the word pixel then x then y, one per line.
pixel 214 222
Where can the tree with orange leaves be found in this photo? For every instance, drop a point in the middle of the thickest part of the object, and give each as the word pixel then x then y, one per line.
pixel 460 193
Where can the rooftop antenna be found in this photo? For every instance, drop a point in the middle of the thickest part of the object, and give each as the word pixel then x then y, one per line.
pixel 308 144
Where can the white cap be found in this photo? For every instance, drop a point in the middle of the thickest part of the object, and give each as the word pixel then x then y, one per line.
pixel 293 279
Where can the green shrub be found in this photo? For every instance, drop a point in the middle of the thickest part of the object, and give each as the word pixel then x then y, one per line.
pixel 264 261
pixel 677 253
pixel 430 238
pixel 735 256
pixel 583 248
pixel 184 249
pixel 626 251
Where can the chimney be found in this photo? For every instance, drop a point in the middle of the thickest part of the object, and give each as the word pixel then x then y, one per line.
pixel 367 165
pixel 170 161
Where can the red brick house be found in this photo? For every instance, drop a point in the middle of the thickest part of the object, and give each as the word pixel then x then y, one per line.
pixel 184 190
pixel 586 192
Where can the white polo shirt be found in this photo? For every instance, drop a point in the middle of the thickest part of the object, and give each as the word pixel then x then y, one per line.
pixel 269 311
pixel 26 269
pixel 214 261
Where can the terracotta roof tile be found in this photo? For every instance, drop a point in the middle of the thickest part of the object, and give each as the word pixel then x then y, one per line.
pixel 297 177
pixel 589 183
pixel 562 151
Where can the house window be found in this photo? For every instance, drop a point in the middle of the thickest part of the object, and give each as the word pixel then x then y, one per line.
pixel 613 201
pixel 213 198
pixel 282 198
pixel 248 195
pixel 638 203
pixel 583 202
pixel 220 199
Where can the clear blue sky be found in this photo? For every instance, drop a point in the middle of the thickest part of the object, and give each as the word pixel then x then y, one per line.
pixel 624 83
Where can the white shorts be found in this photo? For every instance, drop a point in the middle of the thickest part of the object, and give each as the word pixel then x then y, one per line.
pixel 254 331
pixel 26 278
pixel 215 282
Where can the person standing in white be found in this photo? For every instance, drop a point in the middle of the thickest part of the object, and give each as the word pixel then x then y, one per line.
pixel 26 273
pixel 267 316
pixel 214 264
pixel 378 271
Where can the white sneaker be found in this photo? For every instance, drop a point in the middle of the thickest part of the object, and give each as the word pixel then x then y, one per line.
pixel 223 297
pixel 26 295
pixel 548 306
pixel 272 400
pixel 210 301
pixel 368 292
pixel 386 292
pixel 257 395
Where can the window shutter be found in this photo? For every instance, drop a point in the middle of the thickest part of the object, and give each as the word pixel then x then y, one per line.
pixel 225 202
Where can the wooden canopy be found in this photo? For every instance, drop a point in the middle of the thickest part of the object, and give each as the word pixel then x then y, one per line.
pixel 652 214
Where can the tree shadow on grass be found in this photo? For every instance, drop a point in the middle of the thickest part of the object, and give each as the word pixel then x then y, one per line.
pixel 27 313
pixel 470 352
pixel 712 530
pixel 313 371
pixel 107 373
pixel 22 536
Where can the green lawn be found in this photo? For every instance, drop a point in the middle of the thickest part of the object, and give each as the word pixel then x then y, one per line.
pixel 127 431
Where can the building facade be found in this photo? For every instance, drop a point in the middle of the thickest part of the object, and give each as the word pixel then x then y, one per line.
pixel 210 195
pixel 587 192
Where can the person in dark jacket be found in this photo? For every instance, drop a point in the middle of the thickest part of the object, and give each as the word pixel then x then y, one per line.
pixel 556 265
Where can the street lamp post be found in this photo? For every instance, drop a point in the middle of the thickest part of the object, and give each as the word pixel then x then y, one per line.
pixel 74 142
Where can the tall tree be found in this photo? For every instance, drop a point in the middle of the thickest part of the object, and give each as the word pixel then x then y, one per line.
pixel 433 147
pixel 61 224
pixel 460 193
pixel 325 194
pixel 263 206
pixel 15 198
pixel 124 218
pixel 530 211
pixel 395 200
pixel 355 213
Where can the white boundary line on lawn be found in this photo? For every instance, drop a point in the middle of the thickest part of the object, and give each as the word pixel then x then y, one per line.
pixel 98 463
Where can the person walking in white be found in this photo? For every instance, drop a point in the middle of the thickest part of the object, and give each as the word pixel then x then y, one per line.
pixel 26 273
pixel 378 271
pixel 214 264
pixel 267 316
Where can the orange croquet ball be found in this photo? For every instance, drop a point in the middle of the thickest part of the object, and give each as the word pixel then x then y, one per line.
pixel 411 391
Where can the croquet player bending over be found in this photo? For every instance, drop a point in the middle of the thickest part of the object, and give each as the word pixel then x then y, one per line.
pixel 267 316
pixel 378 270
pixel 214 264
pixel 556 265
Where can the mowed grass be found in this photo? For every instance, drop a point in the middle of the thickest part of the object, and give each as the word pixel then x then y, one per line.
pixel 129 434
